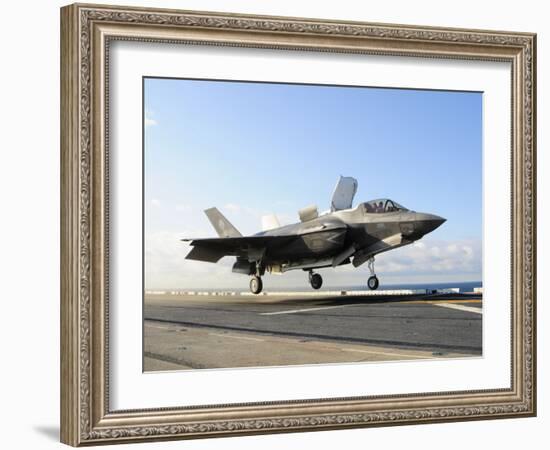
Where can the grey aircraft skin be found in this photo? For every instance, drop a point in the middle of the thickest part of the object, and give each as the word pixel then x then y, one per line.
pixel 341 236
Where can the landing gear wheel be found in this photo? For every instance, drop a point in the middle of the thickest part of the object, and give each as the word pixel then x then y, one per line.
pixel 256 285
pixel 315 280
pixel 373 283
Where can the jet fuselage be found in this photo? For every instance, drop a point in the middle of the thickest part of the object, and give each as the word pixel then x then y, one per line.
pixel 353 231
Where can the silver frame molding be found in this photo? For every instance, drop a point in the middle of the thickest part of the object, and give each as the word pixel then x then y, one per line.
pixel 86 31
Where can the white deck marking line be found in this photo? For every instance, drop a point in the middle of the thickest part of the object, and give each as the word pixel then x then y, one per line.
pixel 236 337
pixel 388 354
pixel 460 307
pixel 294 311
pixel 158 327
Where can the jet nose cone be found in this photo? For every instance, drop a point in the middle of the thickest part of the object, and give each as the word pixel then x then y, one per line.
pixel 426 223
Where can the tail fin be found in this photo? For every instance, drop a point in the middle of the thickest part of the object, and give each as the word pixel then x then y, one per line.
pixel 223 227
pixel 269 222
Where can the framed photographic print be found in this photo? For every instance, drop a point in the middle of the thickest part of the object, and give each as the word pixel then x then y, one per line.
pixel 276 224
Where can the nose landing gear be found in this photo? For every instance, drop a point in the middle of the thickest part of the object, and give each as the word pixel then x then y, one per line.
pixel 315 279
pixel 372 282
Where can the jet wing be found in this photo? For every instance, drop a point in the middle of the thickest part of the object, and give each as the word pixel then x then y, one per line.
pixel 213 249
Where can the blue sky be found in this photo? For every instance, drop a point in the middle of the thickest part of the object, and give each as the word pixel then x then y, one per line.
pixel 259 148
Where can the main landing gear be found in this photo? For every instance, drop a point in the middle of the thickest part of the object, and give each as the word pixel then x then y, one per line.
pixel 315 279
pixel 256 284
pixel 372 282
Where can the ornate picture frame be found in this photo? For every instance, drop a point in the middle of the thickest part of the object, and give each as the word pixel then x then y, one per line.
pixel 86 34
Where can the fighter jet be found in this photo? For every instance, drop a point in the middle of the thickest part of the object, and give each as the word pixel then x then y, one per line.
pixel 340 236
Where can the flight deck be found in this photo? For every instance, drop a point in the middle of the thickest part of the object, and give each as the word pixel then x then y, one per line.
pixel 228 329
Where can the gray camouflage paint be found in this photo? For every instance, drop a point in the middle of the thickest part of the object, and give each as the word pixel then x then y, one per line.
pixel 341 237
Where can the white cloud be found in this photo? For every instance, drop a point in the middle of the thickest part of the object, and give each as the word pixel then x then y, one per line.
pixel 155 202
pixel 434 257
pixel 166 266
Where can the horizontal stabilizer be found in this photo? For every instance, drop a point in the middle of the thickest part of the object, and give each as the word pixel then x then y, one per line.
pixel 250 247
pixel 223 227
pixel 205 254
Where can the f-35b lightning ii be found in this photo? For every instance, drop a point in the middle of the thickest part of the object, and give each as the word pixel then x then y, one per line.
pixel 340 236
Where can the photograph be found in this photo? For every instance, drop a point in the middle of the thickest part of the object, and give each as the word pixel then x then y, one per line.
pixel 296 224
pixel 288 223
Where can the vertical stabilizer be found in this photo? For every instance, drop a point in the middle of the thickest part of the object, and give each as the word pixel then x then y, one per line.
pixel 223 227
pixel 270 222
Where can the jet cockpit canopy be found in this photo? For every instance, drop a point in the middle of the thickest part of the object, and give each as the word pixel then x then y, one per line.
pixel 383 205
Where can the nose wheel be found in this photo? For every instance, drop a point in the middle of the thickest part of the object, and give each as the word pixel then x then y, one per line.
pixel 372 282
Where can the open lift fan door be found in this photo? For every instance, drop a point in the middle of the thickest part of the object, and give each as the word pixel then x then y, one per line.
pixel 342 197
